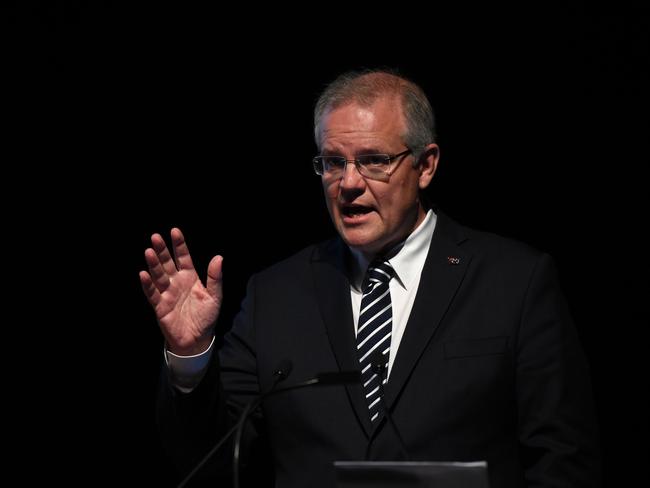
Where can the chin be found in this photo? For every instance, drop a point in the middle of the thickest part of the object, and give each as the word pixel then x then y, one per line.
pixel 358 242
pixel 363 237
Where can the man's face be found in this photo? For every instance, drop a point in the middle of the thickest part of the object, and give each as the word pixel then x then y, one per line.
pixel 371 215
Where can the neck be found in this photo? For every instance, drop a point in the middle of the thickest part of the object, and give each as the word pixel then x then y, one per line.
pixel 393 247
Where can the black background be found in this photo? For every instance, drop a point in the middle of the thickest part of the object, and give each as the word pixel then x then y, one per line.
pixel 156 116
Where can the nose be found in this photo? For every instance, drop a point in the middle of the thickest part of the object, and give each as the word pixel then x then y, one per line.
pixel 352 179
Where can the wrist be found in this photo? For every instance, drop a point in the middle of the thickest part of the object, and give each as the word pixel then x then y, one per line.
pixel 197 348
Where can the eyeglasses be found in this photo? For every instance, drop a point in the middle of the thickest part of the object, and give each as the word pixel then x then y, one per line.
pixel 373 166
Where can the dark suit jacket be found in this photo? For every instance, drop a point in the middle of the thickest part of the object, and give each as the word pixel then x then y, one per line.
pixel 489 368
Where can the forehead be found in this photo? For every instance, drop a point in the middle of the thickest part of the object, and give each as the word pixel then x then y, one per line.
pixel 353 122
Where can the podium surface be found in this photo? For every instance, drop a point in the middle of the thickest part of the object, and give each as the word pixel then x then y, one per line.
pixel 385 474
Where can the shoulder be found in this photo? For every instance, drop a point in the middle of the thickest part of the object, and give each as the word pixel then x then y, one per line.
pixel 298 265
pixel 489 249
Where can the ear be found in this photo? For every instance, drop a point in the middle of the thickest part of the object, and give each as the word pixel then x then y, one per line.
pixel 428 165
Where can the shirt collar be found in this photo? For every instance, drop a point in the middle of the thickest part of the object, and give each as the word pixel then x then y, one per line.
pixel 407 258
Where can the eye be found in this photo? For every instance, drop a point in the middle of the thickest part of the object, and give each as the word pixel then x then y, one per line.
pixel 333 162
pixel 374 159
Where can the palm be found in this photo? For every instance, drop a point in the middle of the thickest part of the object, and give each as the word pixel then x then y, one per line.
pixel 186 310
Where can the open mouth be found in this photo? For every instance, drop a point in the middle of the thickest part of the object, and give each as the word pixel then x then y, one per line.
pixel 355 211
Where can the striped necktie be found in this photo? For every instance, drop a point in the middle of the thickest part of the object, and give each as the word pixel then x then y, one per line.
pixel 374 330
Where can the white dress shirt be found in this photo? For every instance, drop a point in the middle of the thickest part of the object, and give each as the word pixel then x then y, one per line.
pixel 407 260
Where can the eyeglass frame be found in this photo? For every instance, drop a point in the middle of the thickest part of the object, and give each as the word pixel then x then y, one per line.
pixel 359 166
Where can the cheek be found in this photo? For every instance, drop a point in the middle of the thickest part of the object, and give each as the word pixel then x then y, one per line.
pixel 406 193
pixel 331 196
pixel 393 201
pixel 384 201
pixel 331 191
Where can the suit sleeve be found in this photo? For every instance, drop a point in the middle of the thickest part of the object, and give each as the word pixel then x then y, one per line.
pixel 557 425
pixel 190 424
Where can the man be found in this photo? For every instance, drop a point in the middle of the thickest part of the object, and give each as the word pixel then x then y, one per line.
pixel 466 331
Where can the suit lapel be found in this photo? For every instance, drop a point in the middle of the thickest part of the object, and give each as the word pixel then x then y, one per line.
pixel 443 272
pixel 333 296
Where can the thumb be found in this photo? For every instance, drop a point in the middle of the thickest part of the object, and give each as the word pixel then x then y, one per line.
pixel 215 278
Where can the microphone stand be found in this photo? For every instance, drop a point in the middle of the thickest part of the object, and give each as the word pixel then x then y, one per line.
pixel 322 379
pixel 281 373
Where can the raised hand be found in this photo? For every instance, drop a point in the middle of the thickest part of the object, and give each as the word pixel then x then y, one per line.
pixel 185 309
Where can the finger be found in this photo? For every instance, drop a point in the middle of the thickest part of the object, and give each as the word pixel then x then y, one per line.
pixel 159 277
pixel 214 284
pixel 158 244
pixel 149 289
pixel 181 252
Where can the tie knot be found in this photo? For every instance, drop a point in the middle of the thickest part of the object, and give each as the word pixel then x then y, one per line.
pixel 379 270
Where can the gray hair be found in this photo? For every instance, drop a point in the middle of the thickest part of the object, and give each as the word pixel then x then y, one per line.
pixel 364 87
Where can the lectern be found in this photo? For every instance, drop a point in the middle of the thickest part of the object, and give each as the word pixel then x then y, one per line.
pixel 380 474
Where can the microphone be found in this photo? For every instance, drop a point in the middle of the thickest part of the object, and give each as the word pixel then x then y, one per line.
pixel 378 366
pixel 281 372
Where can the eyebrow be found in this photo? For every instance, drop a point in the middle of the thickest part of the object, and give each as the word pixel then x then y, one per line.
pixel 365 150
